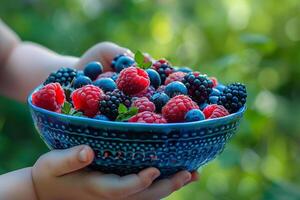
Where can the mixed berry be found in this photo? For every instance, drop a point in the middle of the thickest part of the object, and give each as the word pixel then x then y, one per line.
pixel 139 90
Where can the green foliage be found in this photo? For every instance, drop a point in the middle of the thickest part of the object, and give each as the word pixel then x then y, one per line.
pixel 254 42
pixel 125 114
pixel 139 59
pixel 69 110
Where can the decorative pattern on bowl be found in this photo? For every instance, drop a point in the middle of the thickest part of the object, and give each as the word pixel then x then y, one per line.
pixel 123 148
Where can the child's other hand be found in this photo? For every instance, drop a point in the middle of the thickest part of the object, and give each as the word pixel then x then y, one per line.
pixel 59 175
pixel 103 52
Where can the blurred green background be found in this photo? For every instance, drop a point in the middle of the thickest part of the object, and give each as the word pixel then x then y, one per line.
pixel 255 42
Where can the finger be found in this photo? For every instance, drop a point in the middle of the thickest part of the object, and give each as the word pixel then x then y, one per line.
pixel 121 187
pixel 165 187
pixel 61 162
pixel 194 177
pixel 103 52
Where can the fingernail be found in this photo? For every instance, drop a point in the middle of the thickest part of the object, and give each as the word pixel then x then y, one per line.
pixel 83 155
pixel 187 178
pixel 155 175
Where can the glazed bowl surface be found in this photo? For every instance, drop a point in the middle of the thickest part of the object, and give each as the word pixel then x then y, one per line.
pixel 123 148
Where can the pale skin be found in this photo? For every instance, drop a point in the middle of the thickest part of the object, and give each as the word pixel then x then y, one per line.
pixel 61 174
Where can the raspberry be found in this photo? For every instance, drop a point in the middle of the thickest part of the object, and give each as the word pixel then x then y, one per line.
pixel 214 80
pixel 177 107
pixel 220 111
pixel 50 97
pixel 163 68
pixel 133 80
pixel 208 110
pixel 110 103
pixel 86 99
pixel 147 117
pixel 199 86
pixel 176 76
pixel 215 111
pixel 233 97
pixel 64 76
pixel 146 93
pixel 144 104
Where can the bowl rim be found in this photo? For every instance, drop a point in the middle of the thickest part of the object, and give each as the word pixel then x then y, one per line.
pixel 96 122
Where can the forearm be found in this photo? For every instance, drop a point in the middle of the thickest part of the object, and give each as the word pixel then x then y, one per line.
pixel 17 185
pixel 24 65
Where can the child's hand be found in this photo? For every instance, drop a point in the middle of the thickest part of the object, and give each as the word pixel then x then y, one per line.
pixel 103 52
pixel 57 176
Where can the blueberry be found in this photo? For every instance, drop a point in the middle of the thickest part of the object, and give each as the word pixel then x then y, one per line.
pixel 220 87
pixel 106 84
pixel 155 80
pixel 215 92
pixel 213 99
pixel 101 117
pixel 123 62
pixel 194 115
pixel 184 69
pixel 93 70
pixel 79 73
pixel 175 88
pixel 159 99
pixel 203 105
pixel 81 81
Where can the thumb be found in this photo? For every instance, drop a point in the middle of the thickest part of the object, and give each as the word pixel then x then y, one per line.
pixel 61 162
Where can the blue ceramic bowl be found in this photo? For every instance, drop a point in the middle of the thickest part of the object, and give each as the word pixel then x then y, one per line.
pixel 123 148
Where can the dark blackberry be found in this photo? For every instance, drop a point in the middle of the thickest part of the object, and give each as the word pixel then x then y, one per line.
pixel 64 76
pixel 233 97
pixel 163 68
pixel 199 86
pixel 110 103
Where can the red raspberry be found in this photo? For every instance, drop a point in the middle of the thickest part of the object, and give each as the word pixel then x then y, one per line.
pixel 133 80
pixel 215 111
pixel 87 99
pixel 147 117
pixel 143 104
pixel 177 107
pixel 50 97
pixel 214 80
pixel 176 76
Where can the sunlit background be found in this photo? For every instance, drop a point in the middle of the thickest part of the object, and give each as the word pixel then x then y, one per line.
pixel 255 42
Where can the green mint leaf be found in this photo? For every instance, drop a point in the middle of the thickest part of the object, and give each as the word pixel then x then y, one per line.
pixel 78 114
pixel 66 108
pixel 148 64
pixel 128 114
pixel 139 58
pixel 133 111
pixel 122 109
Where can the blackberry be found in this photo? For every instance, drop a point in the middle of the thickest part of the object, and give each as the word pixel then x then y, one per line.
pixel 64 76
pixel 163 68
pixel 233 97
pixel 110 103
pixel 199 86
